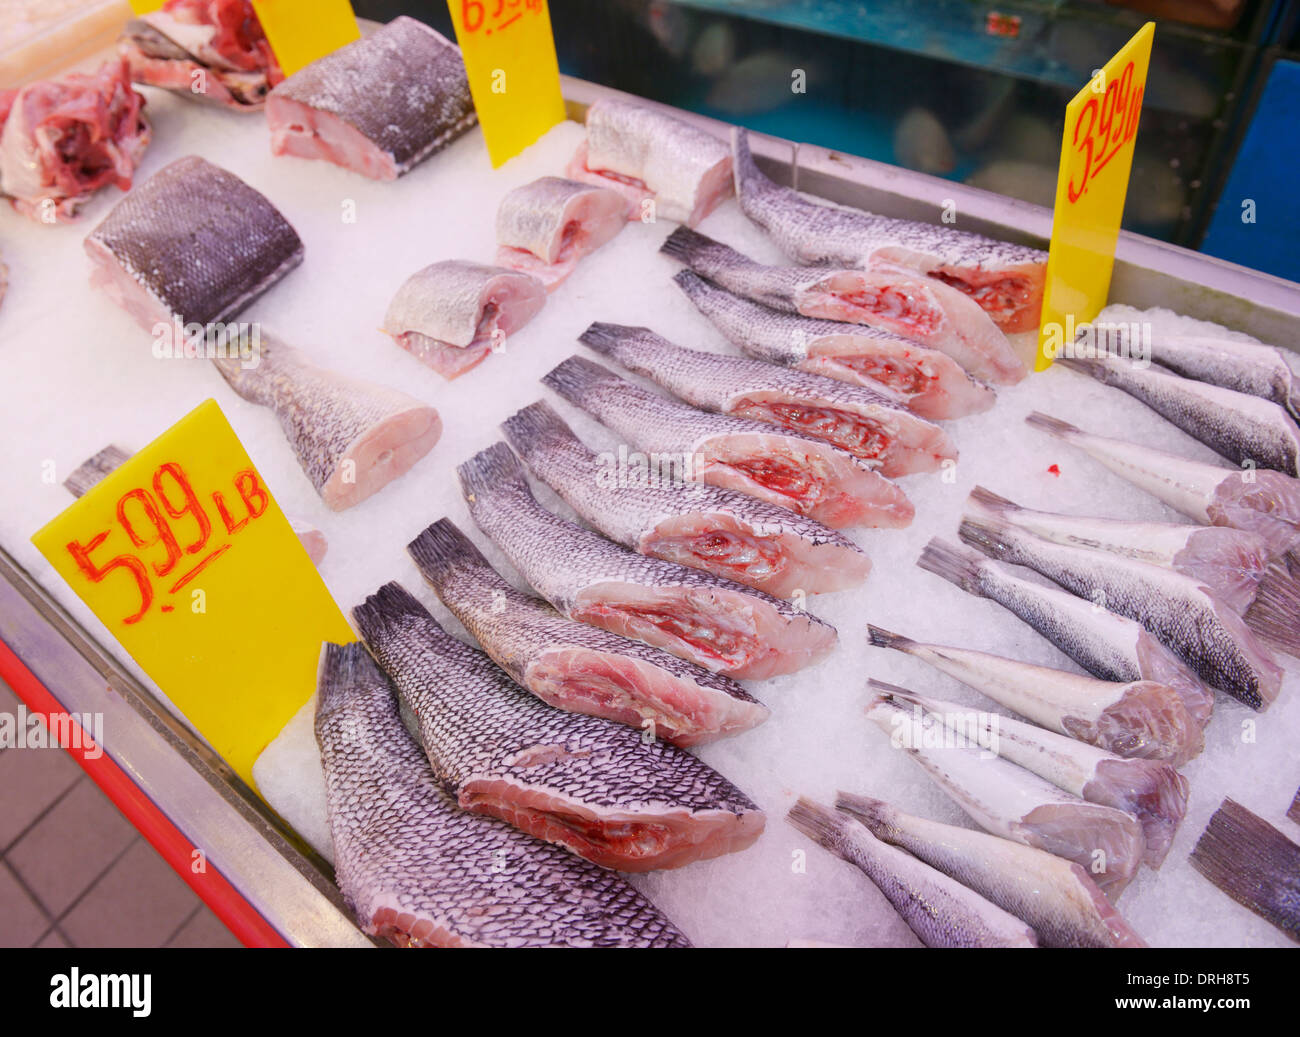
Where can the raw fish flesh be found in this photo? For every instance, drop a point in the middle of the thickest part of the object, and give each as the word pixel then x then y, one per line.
pixel 546 227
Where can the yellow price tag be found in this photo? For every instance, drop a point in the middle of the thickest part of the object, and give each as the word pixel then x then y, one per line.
pixel 514 76
pixel 300 31
pixel 187 559
pixel 1096 157
pixel 146 6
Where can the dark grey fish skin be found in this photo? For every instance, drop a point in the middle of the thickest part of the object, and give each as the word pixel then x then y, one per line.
pixel 420 872
pixel 92 470
pixel 1241 427
pixel 572 665
pixel 402 88
pixel 194 243
pixel 598 788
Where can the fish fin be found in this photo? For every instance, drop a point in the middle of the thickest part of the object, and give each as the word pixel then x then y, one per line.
pixel 442 548
pixel 1293 812
pixel 1252 862
pixel 1275 613
pixel 990 501
pixel 340 670
pixel 685 244
pixel 884 639
pixel 817 822
pixel 692 283
pixel 575 377
pixel 987 535
pixel 490 472
pixel 605 338
pixel 873 813
pixel 1052 426
pixel 744 170
pixel 386 607
pixel 536 426
pixel 953 564
pixel 89 473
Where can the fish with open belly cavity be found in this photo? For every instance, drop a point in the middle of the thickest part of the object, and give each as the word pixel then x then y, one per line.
pixel 193 244
pixel 1006 280
pixel 714 623
pixel 418 871
pixel 928 382
pixel 544 228
pixel 600 789
pixel 352 438
pixel 652 157
pixel 868 424
pixel 379 106
pixel 572 665
pixel 451 314
pixel 1010 801
pixel 1109 646
pixel 781 466
pixel 729 534
pixel 895 299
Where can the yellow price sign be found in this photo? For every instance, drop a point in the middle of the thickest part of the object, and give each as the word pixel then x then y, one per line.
pixel 184 555
pixel 146 6
pixel 514 76
pixel 1096 158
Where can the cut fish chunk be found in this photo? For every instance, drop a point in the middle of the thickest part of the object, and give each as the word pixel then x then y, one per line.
pixel 545 228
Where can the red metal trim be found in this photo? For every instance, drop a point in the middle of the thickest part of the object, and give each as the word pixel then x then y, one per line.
pixel 226 902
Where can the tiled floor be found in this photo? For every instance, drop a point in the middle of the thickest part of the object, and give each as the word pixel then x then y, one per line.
pixel 74 872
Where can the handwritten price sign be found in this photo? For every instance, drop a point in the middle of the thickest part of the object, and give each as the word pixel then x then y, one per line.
pixel 1101 125
pixel 513 74
pixel 186 558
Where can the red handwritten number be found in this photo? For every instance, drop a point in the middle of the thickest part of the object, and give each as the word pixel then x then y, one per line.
pixel 471 15
pixel 1085 148
pixel 192 506
pixel 1110 125
pixel 96 573
pixel 162 531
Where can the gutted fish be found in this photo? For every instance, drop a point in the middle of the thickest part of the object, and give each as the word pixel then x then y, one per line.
pixel 211 50
pixel 601 789
pixel 1005 280
pixel 652 157
pixel 894 299
pixel 451 314
pixel 1107 645
pixel 1186 615
pixel 1012 802
pixel 717 624
pixel 418 871
pixel 544 228
pixel 1152 791
pixel 574 666
pixel 193 244
pixel 352 438
pixel 1243 428
pixel 379 106
pixel 928 382
pixel 868 424
pixel 1139 719
pixel 784 467
pixel 1230 562
pixel 1054 896
pixel 1262 502
pixel 61 140
pixel 729 534
pixel 940 910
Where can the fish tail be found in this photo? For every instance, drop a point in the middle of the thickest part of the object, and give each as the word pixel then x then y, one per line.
pixel 1083 366
pixel 490 472
pixel 384 610
pixel 888 691
pixel 881 638
pixel 876 814
pixel 576 377
pixel 819 823
pixel 537 427
pixel 743 168
pixel 692 284
pixel 442 549
pixel 1275 613
pixel 606 339
pixel 1054 427
pixel 91 471
pixel 341 669
pixel 953 564
pixel 990 502
pixel 989 536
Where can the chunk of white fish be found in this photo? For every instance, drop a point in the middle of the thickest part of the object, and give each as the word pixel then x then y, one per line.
pixel 546 227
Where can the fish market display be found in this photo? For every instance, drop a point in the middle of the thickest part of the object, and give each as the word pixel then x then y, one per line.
pixel 893 299
pixel 418 871
pixel 61 140
pixel 784 467
pixel 652 157
pixel 1054 896
pixel 598 788
pixel 1265 503
pixel 544 228
pixel 1186 615
pixel 1107 645
pixel 451 314
pixel 1253 863
pixel 1139 719
pixel 1005 280
pixel 940 910
pixel 193 244
pixel 719 625
pixel 1150 790
pixel 1230 562
pixel 352 438
pixel 868 424
pixel 929 383
pixel 1012 802
pixel 378 106
pixel 212 50
pixel 1243 428
pixel 729 534
pixel 574 666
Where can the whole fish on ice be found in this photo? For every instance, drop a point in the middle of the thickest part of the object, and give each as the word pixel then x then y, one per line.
pixel 599 788
pixel 418 871
pixel 572 665
pixel 545 227
pixel 717 624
